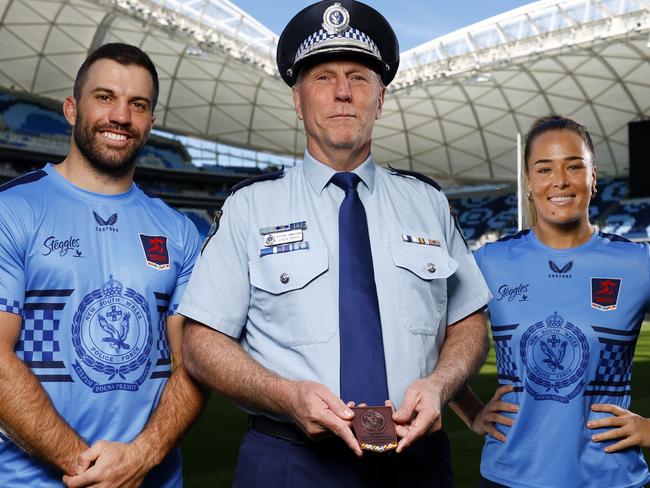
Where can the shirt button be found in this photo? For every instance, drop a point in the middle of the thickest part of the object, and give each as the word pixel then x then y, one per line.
pixel 284 278
pixel 431 268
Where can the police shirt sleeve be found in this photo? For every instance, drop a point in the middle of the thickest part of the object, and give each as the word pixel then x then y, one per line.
pixel 12 258
pixel 191 248
pixel 218 292
pixel 467 291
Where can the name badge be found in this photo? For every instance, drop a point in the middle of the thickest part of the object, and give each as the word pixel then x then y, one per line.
pixel 278 238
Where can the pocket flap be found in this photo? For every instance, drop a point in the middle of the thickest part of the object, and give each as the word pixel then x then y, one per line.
pixel 427 262
pixel 279 273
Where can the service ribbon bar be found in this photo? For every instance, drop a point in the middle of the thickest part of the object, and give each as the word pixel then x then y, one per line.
pixel 296 246
pixel 279 228
pixel 420 240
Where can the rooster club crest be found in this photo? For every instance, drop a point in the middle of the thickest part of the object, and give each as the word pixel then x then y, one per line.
pixel 155 251
pixel 555 355
pixel 112 337
pixel 604 293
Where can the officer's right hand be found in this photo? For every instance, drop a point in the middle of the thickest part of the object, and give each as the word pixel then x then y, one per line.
pixel 317 411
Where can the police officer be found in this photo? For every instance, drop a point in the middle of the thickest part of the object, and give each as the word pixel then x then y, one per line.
pixel 337 282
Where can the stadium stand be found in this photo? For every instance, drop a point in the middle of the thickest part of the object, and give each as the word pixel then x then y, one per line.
pixel 33 131
pixel 489 217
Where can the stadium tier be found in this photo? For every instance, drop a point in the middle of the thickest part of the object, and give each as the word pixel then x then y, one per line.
pixel 489 216
pixel 33 131
pixel 35 127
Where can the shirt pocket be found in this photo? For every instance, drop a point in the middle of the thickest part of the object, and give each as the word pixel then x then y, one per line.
pixel 422 273
pixel 293 295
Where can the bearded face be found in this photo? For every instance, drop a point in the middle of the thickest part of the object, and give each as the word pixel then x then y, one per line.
pixel 105 158
pixel 113 116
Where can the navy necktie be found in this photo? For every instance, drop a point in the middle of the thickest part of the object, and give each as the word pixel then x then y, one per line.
pixel 363 367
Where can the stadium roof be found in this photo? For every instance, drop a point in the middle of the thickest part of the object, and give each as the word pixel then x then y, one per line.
pixel 453 110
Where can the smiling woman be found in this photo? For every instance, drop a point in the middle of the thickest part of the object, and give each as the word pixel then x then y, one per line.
pixel 567 307
pixel 561 178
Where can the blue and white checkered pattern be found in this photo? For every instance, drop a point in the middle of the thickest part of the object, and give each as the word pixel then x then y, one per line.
pixel 12 306
pixel 357 38
pixel 173 310
pixel 162 343
pixel 615 363
pixel 506 367
pixel 37 339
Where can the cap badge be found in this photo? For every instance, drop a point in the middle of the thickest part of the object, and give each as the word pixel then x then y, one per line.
pixel 336 19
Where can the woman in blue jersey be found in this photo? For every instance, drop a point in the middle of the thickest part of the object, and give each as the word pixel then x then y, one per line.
pixel 567 309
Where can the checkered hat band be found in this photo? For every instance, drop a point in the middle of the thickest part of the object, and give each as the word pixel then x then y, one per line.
pixel 317 39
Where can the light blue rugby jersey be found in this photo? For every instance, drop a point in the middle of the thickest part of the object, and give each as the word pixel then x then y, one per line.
pixel 94 277
pixel 565 324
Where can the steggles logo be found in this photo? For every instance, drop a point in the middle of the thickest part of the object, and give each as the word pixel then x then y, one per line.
pixel 62 247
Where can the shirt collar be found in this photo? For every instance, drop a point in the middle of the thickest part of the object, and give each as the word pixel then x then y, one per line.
pixel 318 174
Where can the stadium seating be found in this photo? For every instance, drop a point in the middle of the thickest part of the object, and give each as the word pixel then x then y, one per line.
pixel 479 215
pixel 33 125
pixel 31 117
pixel 28 124
pixel 201 219
pixel 631 220
pixel 497 215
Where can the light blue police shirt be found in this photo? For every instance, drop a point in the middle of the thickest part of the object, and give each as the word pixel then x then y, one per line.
pixel 283 307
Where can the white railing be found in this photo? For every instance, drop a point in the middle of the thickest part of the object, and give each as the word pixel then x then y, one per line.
pixel 212 25
pixel 519 34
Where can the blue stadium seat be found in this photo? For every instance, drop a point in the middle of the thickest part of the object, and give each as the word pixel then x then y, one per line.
pixel 200 218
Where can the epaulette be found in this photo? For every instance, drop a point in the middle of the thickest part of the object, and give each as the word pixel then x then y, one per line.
pixel 274 175
pixel 415 174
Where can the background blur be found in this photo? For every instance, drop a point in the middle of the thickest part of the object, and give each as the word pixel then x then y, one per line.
pixel 473 76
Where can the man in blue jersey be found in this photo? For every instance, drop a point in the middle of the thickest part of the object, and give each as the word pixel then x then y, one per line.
pixel 91 272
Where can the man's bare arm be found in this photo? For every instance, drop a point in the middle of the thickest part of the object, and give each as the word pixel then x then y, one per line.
pixel 463 352
pixel 27 415
pixel 219 362
pixel 121 464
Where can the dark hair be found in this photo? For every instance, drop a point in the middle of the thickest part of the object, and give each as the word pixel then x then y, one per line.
pixel 556 122
pixel 124 54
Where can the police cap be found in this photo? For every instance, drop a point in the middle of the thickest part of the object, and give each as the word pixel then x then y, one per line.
pixel 332 29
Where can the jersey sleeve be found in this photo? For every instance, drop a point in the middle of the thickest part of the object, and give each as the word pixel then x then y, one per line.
pixel 467 291
pixel 218 293
pixel 13 244
pixel 191 247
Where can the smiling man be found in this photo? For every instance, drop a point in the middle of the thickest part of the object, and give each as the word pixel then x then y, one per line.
pixel 337 282
pixel 88 324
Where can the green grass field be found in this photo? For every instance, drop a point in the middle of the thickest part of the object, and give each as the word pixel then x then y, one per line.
pixel 210 449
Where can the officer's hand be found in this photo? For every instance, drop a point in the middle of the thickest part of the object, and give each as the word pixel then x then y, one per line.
pixel 116 465
pixel 630 428
pixel 490 414
pixel 318 411
pixel 419 413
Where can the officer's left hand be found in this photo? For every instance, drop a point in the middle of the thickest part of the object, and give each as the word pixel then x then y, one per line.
pixel 632 429
pixel 419 413
pixel 116 465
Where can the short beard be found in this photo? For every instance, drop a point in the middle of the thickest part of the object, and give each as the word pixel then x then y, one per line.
pixel 115 166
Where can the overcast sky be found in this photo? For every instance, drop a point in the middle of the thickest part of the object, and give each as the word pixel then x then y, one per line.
pixel 415 21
